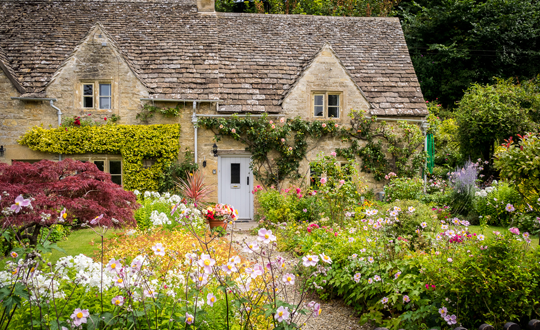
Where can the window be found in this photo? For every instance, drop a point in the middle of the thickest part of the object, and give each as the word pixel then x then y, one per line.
pixel 326 104
pixel 88 96
pixel 98 91
pixel 113 167
pixel 104 96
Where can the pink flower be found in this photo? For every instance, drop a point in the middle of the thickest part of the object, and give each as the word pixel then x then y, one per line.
pixel 342 182
pixel 150 293
pixel 80 316
pixel 19 203
pixel 288 279
pixel 357 277
pixel 510 208
pixel 282 314
pixel 201 279
pixel 63 215
pixel 290 148
pixel 271 122
pixel 251 247
pixel 229 268
pixel 282 120
pixel 298 190
pixel 406 299
pixel 189 318
pixel 114 265
pixel 265 236
pixel 333 153
pixel 206 262
pixel 258 270
pixel 336 125
pixel 232 131
pixel 282 140
pixel 118 301
pixel 514 230
pixel 158 249
pixel 325 258
pixel 310 260
pixel 323 180
pixel 96 220
pixel 323 125
pixel 14 254
pixel 210 299
pixel 273 126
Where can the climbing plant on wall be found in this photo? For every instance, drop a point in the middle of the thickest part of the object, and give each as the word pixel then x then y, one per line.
pixel 276 147
pixel 387 148
pixel 133 142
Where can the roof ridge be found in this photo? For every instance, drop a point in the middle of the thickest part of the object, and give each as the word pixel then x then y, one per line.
pixel 385 18
pixel 9 72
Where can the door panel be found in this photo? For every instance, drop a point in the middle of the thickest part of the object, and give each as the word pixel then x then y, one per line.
pixel 235 185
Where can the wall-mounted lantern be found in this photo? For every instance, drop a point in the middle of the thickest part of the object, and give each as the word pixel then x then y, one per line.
pixel 214 150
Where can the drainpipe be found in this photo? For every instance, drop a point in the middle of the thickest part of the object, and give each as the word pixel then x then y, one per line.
pixel 194 121
pixel 59 112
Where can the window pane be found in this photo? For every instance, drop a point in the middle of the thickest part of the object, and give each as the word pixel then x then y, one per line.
pixel 88 102
pixel 100 165
pixel 319 111
pixel 104 102
pixel 88 89
pixel 104 89
pixel 115 167
pixel 319 99
pixel 235 173
pixel 333 100
pixel 333 112
pixel 117 179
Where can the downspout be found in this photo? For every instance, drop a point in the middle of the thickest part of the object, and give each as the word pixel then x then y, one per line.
pixel 194 121
pixel 59 112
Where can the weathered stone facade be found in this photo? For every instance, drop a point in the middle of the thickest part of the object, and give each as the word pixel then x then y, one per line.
pixel 169 49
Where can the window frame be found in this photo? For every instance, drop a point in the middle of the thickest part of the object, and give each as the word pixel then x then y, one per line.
pixel 106 159
pixel 326 105
pixel 85 96
pixel 96 96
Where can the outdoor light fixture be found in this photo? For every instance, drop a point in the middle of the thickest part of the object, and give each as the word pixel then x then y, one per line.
pixel 2 150
pixel 214 150
pixel 204 162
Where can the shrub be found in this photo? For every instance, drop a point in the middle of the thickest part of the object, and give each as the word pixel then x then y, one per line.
pixel 401 188
pixel 519 163
pixel 490 203
pixel 278 206
pixel 414 217
pixel 463 182
pixel 173 173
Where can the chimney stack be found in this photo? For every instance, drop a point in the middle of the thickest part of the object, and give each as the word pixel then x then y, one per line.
pixel 206 6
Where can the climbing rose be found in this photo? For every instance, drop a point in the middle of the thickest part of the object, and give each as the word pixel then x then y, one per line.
pixel 233 131
pixel 333 153
pixel 282 120
pixel 323 180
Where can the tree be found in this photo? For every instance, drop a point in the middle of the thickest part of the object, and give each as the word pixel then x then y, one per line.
pixel 488 114
pixel 454 43
pixel 68 192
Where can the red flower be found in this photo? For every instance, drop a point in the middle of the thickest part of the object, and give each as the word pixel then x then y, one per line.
pixel 105 118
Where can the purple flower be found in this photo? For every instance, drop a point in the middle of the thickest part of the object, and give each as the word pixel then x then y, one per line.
pixel 310 260
pixel 406 299
pixel 19 203
pixel 510 208
pixel 96 220
pixel 265 235
pixel 514 230
pixel 210 299
pixel 114 265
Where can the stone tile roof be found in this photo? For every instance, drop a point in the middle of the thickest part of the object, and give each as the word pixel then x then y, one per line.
pixel 247 61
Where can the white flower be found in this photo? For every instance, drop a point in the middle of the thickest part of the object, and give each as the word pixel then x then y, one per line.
pixel 310 260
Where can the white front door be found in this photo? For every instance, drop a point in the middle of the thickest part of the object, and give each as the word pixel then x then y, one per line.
pixel 235 182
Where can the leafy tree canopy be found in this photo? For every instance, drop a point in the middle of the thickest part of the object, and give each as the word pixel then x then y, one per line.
pixel 488 114
pixel 454 43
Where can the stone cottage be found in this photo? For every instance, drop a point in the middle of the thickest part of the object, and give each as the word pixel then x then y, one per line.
pixel 66 58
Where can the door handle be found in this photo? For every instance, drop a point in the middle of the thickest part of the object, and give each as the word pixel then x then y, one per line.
pixel 248 180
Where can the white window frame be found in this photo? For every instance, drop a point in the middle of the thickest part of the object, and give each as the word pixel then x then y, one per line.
pixel 326 95
pixel 106 164
pixel 106 96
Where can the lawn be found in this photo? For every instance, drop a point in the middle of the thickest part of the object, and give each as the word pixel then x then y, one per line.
pixel 84 241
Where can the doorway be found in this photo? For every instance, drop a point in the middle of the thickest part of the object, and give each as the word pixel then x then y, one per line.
pixel 235 184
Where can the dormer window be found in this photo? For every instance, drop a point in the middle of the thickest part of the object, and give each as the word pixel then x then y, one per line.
pixel 326 104
pixel 97 95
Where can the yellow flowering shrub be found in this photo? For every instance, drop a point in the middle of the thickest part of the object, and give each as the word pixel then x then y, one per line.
pixel 181 242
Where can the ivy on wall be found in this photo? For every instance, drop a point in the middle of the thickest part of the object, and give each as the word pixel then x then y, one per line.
pixel 133 142
pixel 276 147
